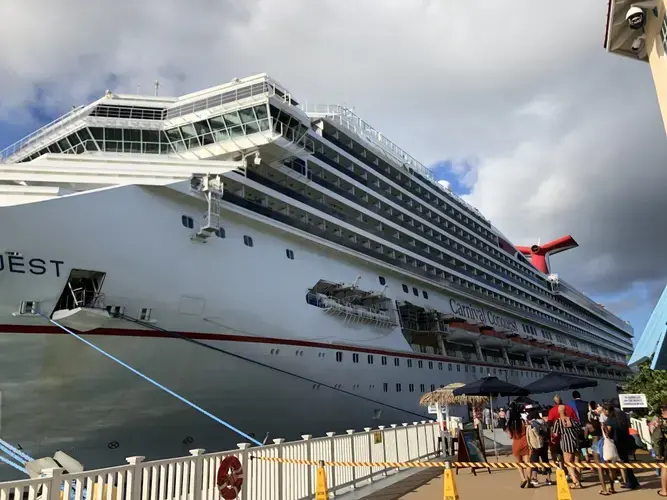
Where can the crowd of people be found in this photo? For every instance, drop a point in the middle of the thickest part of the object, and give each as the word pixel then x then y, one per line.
pixel 574 432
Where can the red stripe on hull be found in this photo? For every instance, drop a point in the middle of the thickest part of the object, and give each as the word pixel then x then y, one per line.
pixel 225 337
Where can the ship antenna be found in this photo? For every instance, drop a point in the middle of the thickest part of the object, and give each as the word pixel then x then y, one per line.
pixel 157 87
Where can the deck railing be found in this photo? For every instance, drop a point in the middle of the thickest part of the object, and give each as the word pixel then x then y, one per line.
pixel 195 477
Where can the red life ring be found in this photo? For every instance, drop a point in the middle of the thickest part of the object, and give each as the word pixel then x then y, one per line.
pixel 230 478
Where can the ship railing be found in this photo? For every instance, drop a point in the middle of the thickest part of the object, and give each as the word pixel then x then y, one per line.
pixel 52 126
pixel 194 477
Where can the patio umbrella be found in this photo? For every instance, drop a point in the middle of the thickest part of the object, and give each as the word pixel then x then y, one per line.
pixel 554 382
pixel 494 387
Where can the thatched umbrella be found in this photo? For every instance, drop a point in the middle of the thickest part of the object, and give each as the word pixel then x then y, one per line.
pixel 444 397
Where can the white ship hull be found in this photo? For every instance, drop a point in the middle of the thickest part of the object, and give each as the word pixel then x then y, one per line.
pixel 58 393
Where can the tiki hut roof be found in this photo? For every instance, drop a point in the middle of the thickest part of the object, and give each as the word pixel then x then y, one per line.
pixel 444 396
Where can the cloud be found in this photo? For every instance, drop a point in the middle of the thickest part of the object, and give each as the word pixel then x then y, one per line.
pixel 542 130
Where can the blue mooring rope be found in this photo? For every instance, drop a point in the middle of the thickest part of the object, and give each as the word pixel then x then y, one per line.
pixel 23 455
pixel 13 464
pixel 155 383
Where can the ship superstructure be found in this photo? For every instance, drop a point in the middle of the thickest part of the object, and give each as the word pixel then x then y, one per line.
pixel 298 236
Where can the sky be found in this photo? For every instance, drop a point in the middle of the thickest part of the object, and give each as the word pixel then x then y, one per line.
pixel 520 110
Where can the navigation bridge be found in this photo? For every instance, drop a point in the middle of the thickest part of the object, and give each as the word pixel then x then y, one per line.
pixel 242 123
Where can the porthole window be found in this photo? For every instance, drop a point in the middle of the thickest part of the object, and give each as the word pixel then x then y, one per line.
pixel 405 288
pixel 187 221
pixel 289 253
pixel 382 280
pixel 247 240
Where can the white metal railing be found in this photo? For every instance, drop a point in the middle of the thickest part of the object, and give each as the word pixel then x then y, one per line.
pixel 195 477
pixel 60 122
pixel 641 426
pixel 347 118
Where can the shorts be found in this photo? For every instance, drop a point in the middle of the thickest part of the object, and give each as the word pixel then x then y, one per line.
pixel 541 454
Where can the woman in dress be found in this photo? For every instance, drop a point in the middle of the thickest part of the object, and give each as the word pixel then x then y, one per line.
pixel 516 429
pixel 567 429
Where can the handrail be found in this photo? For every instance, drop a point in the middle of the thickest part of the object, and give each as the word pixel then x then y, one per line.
pixel 18 145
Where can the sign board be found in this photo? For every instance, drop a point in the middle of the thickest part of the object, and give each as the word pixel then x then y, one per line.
pixel 632 401
pixel 432 410
pixel 470 448
pixel 377 438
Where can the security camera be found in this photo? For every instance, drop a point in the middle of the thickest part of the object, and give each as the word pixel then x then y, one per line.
pixel 635 17
pixel 638 43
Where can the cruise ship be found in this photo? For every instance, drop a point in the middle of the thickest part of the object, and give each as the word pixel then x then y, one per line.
pixel 287 268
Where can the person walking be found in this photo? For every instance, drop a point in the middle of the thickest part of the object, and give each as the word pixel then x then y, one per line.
pixel 568 431
pixel 616 428
pixel 502 421
pixel 516 430
pixel 594 435
pixel 537 435
pixel 659 441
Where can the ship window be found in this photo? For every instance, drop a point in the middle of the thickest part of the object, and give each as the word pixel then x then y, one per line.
pixel 187 221
pixel 405 288
pixel 458 368
pixel 385 387
pixel 247 240
pixel 384 360
pixel 422 387
pixel 415 291
pixel 397 362
pixel 432 387
pixel 449 367
pixel 409 363
pixel 439 366
pixel 466 368
pixel 370 359
pixel 424 294
pixel 339 356
pixel 355 358
pixel 144 314
pixel 289 253
pixel 420 364
pixel 220 232
pixel 398 387
pixel 473 369
pixel 430 365
pixel 411 387
pixel 382 280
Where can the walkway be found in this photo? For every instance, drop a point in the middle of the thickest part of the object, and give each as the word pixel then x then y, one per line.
pixel 504 485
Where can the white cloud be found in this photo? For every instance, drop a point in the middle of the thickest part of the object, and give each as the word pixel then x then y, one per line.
pixel 566 137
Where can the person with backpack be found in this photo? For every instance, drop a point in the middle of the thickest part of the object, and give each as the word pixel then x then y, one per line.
pixel 538 435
